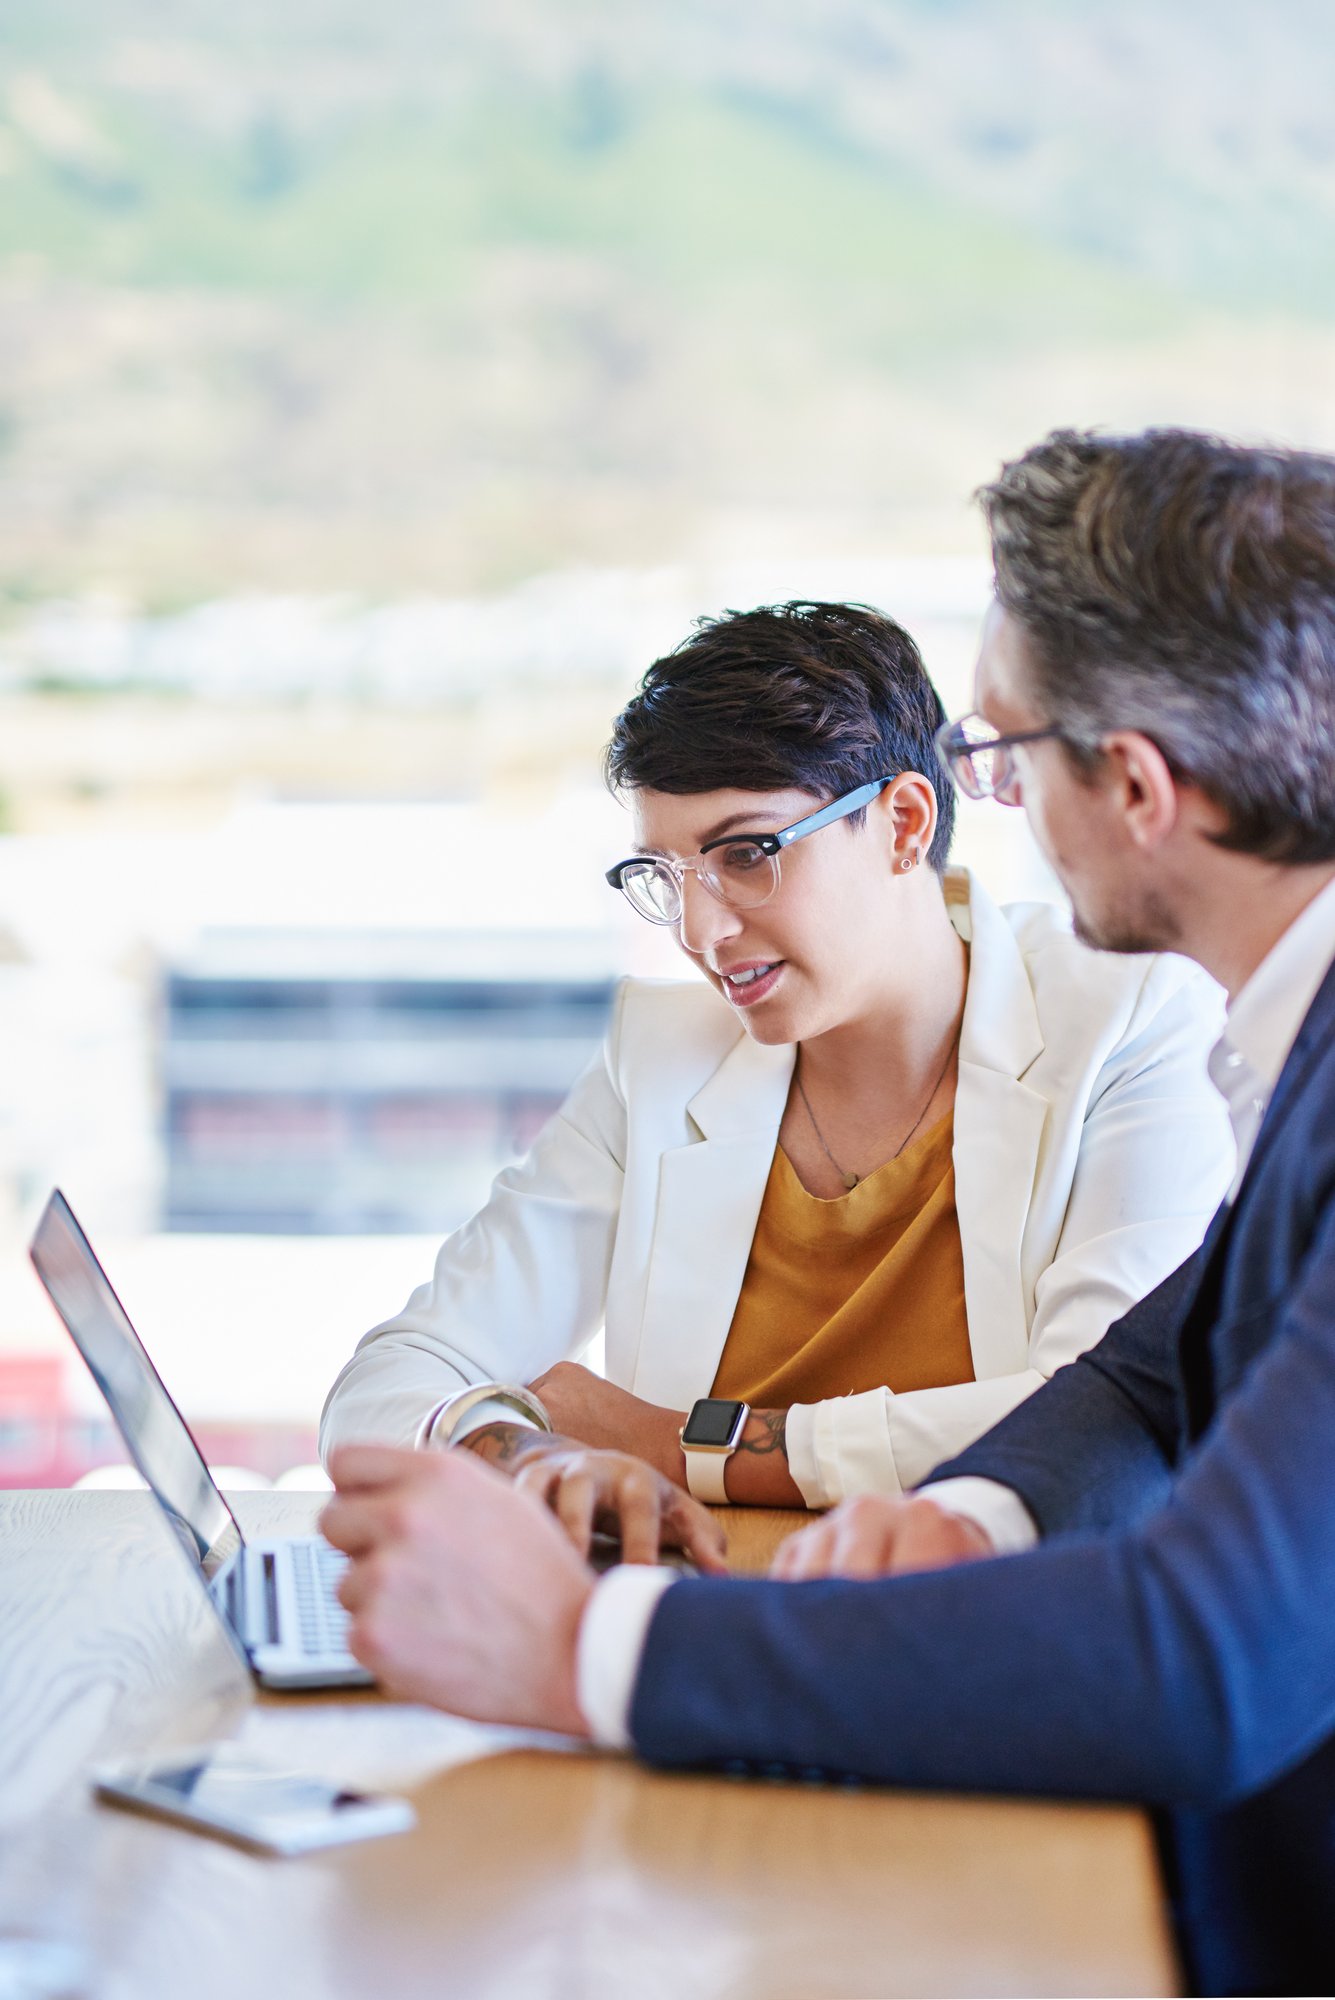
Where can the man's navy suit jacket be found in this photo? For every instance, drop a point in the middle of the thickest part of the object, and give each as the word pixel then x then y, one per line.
pixel 1171 1639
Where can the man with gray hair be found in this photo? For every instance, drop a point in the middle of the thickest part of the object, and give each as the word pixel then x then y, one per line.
pixel 1156 688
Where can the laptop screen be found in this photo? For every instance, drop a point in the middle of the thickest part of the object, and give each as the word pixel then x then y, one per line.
pixel 153 1428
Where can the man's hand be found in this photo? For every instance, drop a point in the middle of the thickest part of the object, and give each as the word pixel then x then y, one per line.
pixel 622 1496
pixel 462 1591
pixel 582 1405
pixel 876 1535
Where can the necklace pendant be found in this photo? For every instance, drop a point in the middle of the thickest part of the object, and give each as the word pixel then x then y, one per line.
pixel 850 1182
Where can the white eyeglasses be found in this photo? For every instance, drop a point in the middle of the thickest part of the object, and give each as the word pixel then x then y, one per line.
pixel 741 870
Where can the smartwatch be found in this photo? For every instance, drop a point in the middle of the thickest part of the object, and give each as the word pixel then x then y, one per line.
pixel 709 1437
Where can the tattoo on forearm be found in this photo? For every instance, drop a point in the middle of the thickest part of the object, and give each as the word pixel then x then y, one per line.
pixel 771 1437
pixel 499 1443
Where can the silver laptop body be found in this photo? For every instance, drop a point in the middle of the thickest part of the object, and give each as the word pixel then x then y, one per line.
pixel 275 1598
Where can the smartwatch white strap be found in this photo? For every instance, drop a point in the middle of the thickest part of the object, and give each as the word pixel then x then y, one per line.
pixel 704 1474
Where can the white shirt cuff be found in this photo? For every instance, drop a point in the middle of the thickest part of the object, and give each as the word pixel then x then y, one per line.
pixel 842 1446
pixel 799 1442
pixel 612 1633
pixel 998 1510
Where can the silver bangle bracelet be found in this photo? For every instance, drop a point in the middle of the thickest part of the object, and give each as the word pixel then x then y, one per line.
pixel 442 1426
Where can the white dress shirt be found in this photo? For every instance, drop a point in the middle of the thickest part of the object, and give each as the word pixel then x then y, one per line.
pixel 1264 1020
pixel 1245 1064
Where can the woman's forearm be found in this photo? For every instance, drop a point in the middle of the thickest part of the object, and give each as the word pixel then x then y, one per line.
pixel 508 1446
pixel 757 1473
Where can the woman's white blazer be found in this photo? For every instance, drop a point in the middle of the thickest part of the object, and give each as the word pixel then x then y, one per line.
pixel 1090 1151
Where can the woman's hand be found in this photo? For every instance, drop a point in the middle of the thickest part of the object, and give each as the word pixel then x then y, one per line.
pixel 876 1535
pixel 583 1405
pixel 623 1496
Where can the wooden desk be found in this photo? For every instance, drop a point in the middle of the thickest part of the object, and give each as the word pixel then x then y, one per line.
pixel 536 1870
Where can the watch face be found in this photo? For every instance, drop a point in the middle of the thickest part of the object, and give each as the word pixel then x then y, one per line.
pixel 712 1421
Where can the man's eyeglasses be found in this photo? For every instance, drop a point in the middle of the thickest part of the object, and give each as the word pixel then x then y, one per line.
pixel 978 758
pixel 741 870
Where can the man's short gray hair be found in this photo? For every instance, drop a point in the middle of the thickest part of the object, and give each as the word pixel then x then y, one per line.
pixel 1183 586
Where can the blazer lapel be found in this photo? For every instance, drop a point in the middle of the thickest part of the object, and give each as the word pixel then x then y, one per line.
pixel 1194 1355
pixel 710 1191
pixel 999 1125
pixel 1311 1040
pixel 709 1196
pixel 1198 1318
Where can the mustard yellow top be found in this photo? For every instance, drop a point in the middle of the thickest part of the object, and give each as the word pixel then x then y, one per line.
pixel 865 1292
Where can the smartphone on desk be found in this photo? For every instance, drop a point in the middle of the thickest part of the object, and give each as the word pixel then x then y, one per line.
pixel 605 1554
pixel 256 1806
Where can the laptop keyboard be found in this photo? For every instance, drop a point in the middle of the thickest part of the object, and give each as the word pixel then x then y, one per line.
pixel 322 1623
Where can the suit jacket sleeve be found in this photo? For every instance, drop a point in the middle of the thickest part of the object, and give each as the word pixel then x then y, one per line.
pixel 1186 1659
pixel 1095 1447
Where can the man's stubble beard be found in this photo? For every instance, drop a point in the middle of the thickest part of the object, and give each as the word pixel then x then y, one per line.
pixel 1150 926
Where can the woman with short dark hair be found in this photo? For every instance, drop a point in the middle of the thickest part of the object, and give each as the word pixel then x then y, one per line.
pixel 853 1195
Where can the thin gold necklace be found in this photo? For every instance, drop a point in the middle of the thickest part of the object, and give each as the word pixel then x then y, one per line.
pixel 851 1180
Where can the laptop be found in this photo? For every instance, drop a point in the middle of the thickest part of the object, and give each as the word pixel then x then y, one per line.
pixel 275 1598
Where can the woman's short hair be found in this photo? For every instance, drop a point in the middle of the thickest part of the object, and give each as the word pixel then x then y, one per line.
pixel 1184 587
pixel 818 697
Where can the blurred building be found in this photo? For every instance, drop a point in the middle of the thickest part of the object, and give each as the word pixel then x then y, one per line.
pixel 306 1018
pixel 53 1431
pixel 353 1082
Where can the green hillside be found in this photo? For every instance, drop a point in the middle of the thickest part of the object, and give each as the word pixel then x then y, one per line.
pixel 433 295
pixel 690 198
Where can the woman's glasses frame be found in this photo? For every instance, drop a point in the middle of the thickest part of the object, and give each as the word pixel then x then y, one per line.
pixel 671 874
